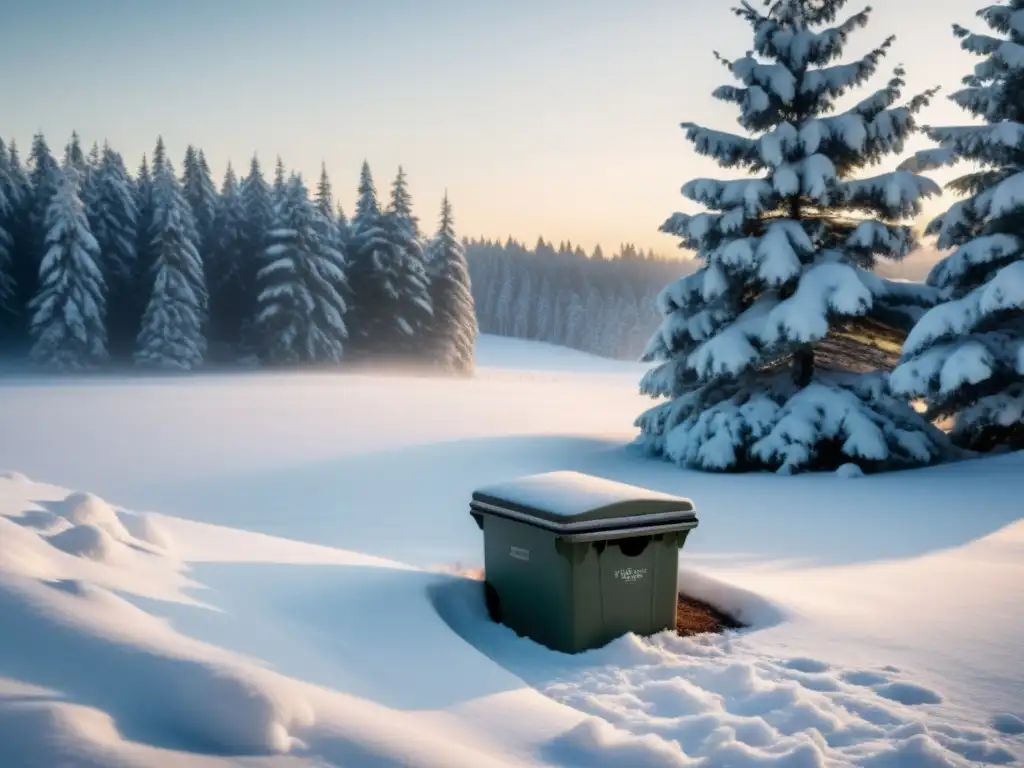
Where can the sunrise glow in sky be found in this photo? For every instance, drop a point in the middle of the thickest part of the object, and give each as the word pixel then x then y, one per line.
pixel 553 117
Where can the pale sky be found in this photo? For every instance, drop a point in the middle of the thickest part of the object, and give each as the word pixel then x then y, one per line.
pixel 553 117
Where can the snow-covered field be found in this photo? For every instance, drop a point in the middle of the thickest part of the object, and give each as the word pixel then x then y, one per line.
pixel 264 577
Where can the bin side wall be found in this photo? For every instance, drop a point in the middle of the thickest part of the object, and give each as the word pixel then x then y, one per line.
pixel 637 593
pixel 531 578
pixel 588 630
pixel 666 581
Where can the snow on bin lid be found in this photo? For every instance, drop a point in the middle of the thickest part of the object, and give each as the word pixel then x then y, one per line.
pixel 561 497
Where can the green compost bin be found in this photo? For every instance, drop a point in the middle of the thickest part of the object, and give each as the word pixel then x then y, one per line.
pixel 573 561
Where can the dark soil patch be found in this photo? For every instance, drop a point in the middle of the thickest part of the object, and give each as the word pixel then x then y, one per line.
pixel 695 617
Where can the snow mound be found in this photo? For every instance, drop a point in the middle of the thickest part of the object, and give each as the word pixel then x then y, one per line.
pixel 22 550
pixel 746 607
pixel 597 744
pixel 166 687
pixel 143 527
pixel 14 477
pixel 43 520
pixel 1008 724
pixel 81 508
pixel 850 470
pixel 86 540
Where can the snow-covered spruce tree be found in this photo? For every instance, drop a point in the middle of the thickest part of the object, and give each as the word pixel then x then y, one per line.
pixel 413 310
pixel 453 330
pixel 231 269
pixel 113 219
pixel 201 195
pixel 44 172
pixel 143 193
pixel 8 294
pixel 786 258
pixel 301 309
pixel 325 206
pixel 371 275
pixel 85 174
pixel 74 155
pixel 258 202
pixel 401 202
pixel 325 195
pixel 966 356
pixel 280 182
pixel 341 223
pixel 171 336
pixel 19 178
pixel 24 262
pixel 67 326
pixel 92 162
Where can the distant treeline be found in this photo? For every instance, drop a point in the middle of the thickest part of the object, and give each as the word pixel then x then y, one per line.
pixel 600 304
pixel 98 266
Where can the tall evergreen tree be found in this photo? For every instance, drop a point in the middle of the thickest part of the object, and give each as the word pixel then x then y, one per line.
pixel 258 202
pixel 371 280
pixel 172 325
pixel 453 330
pixel 74 155
pixel 325 207
pixel 324 195
pixel 280 181
pixel 413 310
pixel 966 356
pixel 786 258
pixel 44 175
pixel 401 202
pixel 201 195
pixel 301 308
pixel 144 209
pixel 20 186
pixel 8 287
pixel 113 215
pixel 43 179
pixel 231 268
pixel 67 327
pixel 24 263
pixel 343 225
pixel 159 156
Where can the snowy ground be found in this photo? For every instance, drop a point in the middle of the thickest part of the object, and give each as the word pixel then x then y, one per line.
pixel 268 588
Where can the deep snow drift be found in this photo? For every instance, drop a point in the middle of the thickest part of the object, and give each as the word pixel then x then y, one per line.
pixel 261 576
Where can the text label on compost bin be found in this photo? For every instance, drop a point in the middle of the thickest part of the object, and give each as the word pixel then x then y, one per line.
pixel 630 575
pixel 518 553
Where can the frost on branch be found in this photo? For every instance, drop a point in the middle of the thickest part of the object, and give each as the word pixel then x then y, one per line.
pixel 746 352
pixel 964 356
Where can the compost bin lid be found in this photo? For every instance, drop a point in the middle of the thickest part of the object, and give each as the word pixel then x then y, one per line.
pixel 571 500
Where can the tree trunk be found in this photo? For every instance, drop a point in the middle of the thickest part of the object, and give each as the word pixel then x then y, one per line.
pixel 803 366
